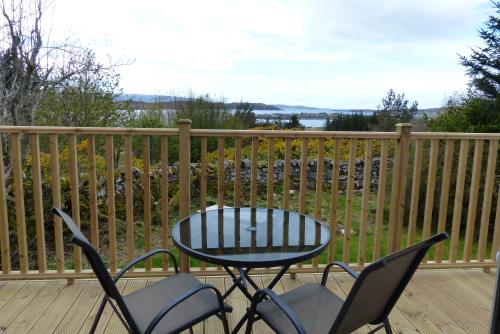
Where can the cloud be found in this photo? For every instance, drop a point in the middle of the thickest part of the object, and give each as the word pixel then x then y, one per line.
pixel 274 50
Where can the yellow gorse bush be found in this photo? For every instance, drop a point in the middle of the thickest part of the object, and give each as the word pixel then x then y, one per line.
pixel 64 159
pixel 296 146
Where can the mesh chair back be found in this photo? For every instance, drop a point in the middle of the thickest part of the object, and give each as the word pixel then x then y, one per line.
pixel 92 256
pixel 495 310
pixel 379 286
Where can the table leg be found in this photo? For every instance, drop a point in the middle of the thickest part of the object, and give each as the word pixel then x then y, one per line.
pixel 278 277
pixel 270 286
pixel 237 283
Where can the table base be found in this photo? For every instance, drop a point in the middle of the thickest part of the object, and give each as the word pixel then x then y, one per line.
pixel 241 283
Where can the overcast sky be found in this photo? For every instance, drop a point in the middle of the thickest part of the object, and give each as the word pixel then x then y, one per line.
pixel 331 53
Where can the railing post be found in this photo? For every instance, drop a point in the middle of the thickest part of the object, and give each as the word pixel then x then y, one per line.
pixel 184 181
pixel 398 193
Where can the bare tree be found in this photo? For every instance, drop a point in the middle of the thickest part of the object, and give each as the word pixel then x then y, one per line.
pixel 29 64
pixel 22 74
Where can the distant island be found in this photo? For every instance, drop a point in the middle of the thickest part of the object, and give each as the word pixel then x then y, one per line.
pixel 277 111
pixel 141 101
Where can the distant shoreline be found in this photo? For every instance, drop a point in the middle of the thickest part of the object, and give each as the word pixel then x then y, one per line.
pixel 271 112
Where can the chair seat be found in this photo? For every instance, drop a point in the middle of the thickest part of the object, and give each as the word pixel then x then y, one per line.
pixel 315 305
pixel 144 304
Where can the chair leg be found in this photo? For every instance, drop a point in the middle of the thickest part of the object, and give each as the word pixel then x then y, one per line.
pixel 387 326
pixel 98 315
pixel 251 317
pixel 249 324
pixel 223 318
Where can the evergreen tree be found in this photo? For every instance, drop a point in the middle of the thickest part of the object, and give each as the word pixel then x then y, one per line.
pixel 394 110
pixel 483 65
pixel 244 115
pixel 294 123
pixel 479 110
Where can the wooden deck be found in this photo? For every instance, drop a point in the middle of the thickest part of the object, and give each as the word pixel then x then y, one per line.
pixel 444 301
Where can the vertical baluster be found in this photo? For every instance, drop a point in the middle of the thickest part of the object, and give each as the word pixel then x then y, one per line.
pixel 487 198
pixel 253 186
pixel 270 172
pixel 445 193
pixel 379 215
pixel 495 246
pixel 220 173
pixel 334 200
pixel 184 183
pixel 75 196
pixel 364 202
pixel 146 182
pixel 56 200
pixel 164 198
pixel 203 180
pixel 349 200
pixel 129 199
pixel 398 191
pixel 303 180
pixel 287 176
pixel 459 195
pixel 38 201
pixel 303 175
pixel 110 202
pixel 415 193
pixel 431 184
pixel 237 172
pixel 474 194
pixel 319 189
pixel 203 187
pixel 19 194
pixel 319 178
pixel 4 222
pixel 94 222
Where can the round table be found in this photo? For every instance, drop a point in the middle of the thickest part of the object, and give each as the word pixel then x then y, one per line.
pixel 247 238
pixel 250 237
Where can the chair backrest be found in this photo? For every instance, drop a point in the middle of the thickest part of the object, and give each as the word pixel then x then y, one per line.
pixel 92 256
pixel 495 310
pixel 379 286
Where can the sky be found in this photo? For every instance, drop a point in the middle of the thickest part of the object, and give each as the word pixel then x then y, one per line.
pixel 320 53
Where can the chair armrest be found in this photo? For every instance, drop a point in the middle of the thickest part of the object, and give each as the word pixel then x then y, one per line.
pixel 165 309
pixel 142 258
pixel 281 305
pixel 342 265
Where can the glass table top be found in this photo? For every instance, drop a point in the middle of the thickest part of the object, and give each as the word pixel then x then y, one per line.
pixel 250 237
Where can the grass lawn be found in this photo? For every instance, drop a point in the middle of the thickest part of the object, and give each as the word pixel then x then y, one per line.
pixel 325 213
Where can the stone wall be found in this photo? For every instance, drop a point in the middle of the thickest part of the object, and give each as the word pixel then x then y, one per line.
pixel 279 172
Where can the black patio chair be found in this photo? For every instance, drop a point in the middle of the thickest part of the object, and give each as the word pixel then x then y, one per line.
pixel 171 305
pixel 313 308
pixel 495 310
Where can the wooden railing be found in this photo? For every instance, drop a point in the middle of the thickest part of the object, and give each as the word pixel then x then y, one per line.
pixel 379 220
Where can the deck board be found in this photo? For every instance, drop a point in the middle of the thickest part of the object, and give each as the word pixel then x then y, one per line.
pixel 436 301
pixel 31 314
pixel 54 314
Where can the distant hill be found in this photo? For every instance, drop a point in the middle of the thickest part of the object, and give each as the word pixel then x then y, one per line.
pixel 429 111
pixel 145 98
pixel 141 101
pixel 255 106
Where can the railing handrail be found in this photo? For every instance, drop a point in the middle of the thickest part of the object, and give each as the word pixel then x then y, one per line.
pixel 88 130
pixel 246 133
pixel 454 135
pixel 292 133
